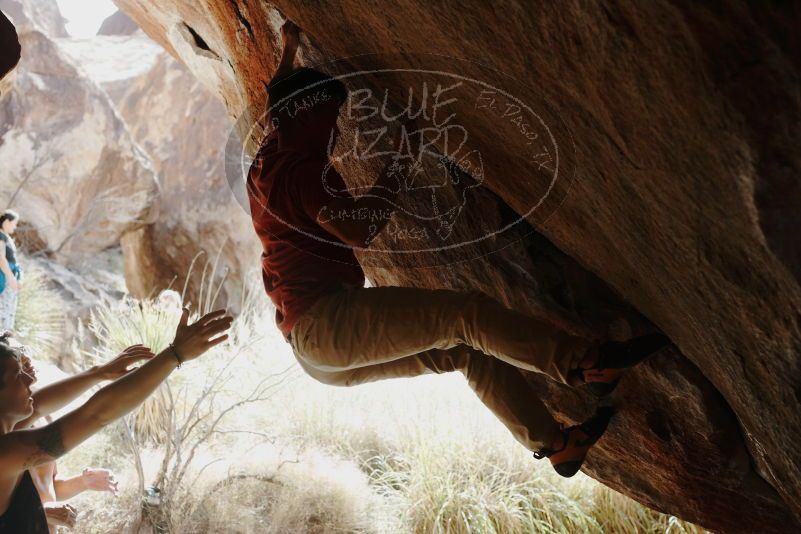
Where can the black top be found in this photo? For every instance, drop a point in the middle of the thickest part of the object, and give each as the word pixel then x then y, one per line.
pixel 25 514
pixel 11 248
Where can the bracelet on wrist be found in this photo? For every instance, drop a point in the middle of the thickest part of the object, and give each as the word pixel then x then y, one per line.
pixel 177 356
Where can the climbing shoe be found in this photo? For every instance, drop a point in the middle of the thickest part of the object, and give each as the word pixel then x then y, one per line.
pixel 613 358
pixel 576 442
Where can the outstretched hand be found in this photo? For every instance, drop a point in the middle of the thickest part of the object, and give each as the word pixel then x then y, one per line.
pixel 121 365
pixel 192 340
pixel 61 515
pixel 99 480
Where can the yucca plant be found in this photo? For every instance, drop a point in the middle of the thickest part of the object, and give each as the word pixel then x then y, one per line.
pixel 131 322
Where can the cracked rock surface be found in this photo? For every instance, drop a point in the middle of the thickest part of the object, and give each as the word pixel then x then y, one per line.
pixel 677 206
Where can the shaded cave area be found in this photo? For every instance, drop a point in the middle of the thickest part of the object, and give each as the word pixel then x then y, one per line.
pixel 676 211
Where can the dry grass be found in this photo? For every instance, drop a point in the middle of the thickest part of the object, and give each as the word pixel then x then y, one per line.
pixel 40 318
pixel 411 455
pixel 130 322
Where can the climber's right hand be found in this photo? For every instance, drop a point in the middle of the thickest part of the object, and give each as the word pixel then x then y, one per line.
pixel 290 34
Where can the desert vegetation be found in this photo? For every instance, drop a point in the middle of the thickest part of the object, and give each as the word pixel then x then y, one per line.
pixel 244 442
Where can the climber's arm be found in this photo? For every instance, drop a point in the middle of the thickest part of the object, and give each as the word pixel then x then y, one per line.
pixel 290 37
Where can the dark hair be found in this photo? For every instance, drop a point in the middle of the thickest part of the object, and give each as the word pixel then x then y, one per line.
pixel 8 349
pixel 8 215
pixel 8 345
pixel 303 88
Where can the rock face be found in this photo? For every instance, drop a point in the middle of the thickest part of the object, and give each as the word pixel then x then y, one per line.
pixel 113 62
pixel 43 15
pixel 673 128
pixel 75 292
pixel 70 165
pixel 183 129
pixel 118 24
pixel 160 121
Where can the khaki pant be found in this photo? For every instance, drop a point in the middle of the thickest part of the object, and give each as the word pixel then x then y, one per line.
pixel 359 335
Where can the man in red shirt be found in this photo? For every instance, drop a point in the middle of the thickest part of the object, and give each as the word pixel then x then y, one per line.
pixel 345 334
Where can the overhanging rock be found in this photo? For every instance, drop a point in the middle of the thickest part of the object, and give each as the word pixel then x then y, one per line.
pixel 682 202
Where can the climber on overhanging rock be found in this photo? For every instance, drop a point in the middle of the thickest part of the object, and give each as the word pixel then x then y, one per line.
pixel 9 46
pixel 345 334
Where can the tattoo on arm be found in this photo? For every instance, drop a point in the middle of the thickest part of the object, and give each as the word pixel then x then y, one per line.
pixel 49 445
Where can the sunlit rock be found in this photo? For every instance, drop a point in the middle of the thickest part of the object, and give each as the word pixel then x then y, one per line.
pixel 183 129
pixel 118 24
pixel 70 165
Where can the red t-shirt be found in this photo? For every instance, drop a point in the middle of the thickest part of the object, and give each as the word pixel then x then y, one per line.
pixel 301 261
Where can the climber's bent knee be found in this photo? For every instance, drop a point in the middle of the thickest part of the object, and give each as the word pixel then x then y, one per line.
pixel 343 378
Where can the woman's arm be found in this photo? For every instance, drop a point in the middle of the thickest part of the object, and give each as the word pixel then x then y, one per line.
pixel 52 398
pixel 90 479
pixel 67 488
pixel 23 449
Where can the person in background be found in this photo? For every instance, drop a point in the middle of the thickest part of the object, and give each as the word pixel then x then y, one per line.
pixel 23 448
pixel 53 489
pixel 11 271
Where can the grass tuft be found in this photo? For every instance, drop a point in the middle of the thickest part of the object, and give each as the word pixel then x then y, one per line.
pixel 40 322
